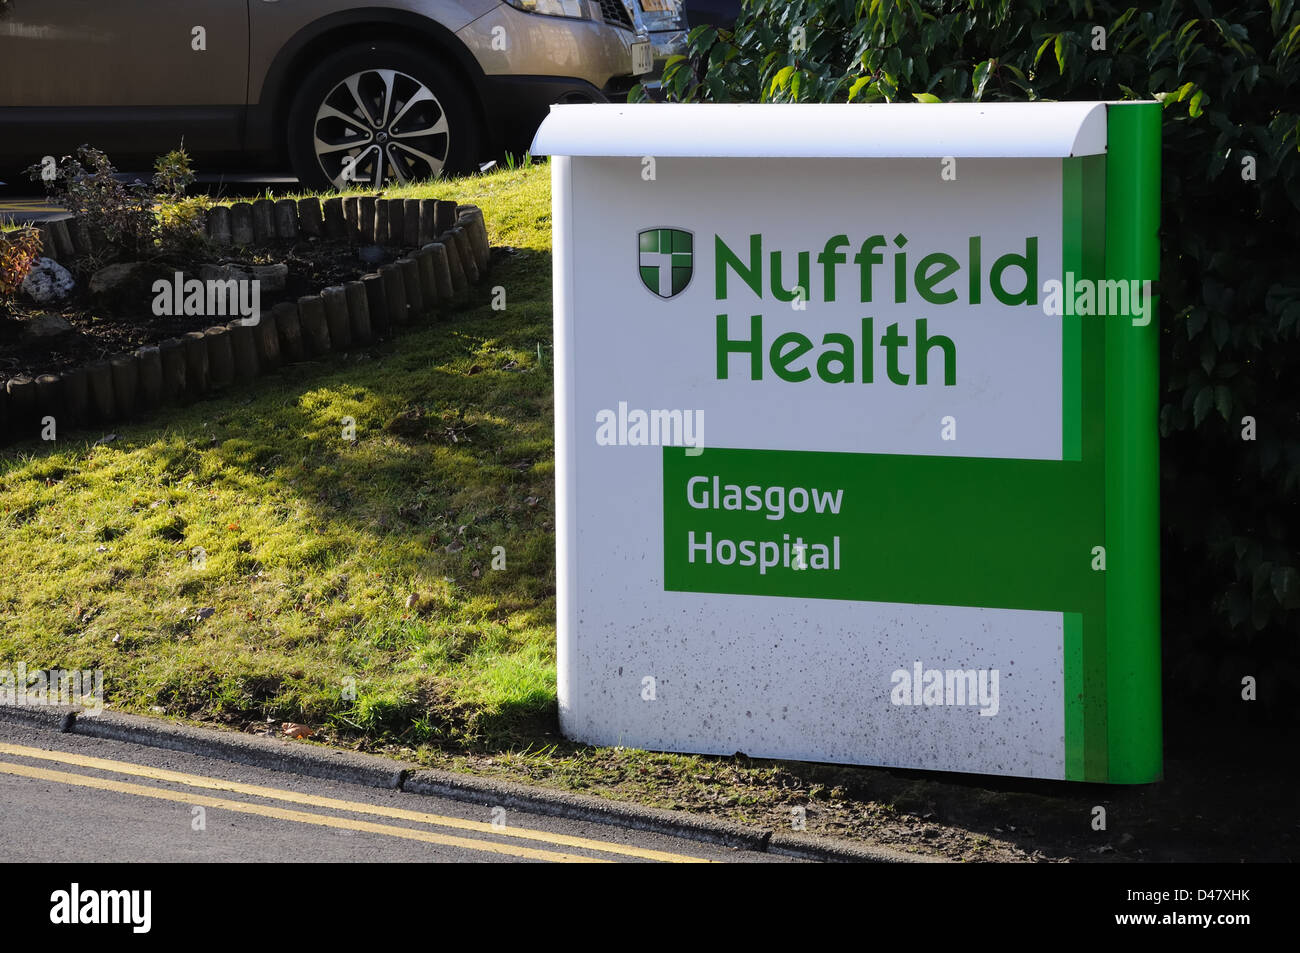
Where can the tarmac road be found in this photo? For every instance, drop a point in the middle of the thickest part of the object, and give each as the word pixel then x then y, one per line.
pixel 23 202
pixel 68 798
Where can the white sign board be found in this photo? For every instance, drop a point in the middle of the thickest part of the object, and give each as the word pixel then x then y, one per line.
pixel 832 449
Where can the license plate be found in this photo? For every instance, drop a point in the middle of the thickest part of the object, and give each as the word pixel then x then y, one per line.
pixel 643 58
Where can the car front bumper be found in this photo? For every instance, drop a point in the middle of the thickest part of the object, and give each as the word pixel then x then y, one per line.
pixel 531 62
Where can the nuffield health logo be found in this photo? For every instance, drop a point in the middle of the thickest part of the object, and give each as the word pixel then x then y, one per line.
pixel 665 260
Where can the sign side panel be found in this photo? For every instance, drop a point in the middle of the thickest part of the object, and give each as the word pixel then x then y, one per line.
pixel 565 362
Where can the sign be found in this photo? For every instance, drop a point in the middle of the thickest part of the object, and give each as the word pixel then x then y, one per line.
pixel 856 433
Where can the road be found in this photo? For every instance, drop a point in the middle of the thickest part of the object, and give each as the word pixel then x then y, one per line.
pixel 23 202
pixel 108 801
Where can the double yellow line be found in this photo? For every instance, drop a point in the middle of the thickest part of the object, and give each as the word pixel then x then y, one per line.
pixel 322 820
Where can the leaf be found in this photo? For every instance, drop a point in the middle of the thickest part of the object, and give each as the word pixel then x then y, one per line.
pixel 1204 400
pixel 1221 330
pixel 857 87
pixel 1223 400
pixel 780 79
pixel 1046 43
pixel 703 36
pixel 981 77
pixel 1286 586
pixel 922 97
pixel 1194 107
pixel 292 730
pixel 1060 52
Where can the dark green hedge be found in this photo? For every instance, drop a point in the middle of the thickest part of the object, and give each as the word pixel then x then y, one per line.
pixel 1229 78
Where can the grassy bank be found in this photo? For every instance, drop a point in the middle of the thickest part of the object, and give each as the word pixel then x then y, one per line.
pixel 246 561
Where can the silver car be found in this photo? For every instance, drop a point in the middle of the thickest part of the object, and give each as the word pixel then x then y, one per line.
pixel 346 91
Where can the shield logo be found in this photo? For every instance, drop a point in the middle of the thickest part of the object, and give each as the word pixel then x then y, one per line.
pixel 665 262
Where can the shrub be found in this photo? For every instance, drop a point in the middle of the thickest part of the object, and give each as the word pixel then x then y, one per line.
pixel 18 252
pixel 180 218
pixel 1229 80
pixel 132 220
pixel 86 185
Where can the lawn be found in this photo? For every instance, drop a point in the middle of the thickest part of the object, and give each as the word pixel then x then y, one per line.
pixel 247 561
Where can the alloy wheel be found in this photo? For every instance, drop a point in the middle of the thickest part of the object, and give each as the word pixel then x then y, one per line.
pixel 379 126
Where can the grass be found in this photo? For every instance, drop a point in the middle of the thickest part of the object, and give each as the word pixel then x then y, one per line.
pixel 333 568
pixel 244 563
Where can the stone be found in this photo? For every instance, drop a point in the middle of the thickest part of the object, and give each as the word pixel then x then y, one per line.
pixel 109 278
pixel 46 326
pixel 212 272
pixel 272 277
pixel 48 282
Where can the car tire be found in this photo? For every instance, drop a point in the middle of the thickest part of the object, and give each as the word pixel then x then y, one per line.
pixel 378 99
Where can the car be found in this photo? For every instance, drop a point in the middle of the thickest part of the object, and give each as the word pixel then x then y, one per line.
pixel 344 91
pixel 722 14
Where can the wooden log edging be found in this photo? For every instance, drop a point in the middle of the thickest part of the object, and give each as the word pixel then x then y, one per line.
pixel 22 405
pixel 470 217
pixel 336 316
pixel 315 330
pixel 444 292
pixel 394 294
pixel 221 356
pixel 197 369
pixel 126 382
pixel 461 240
pixel 288 327
pixel 171 354
pixel 335 226
pixel 286 219
pixel 103 409
pixel 76 397
pixel 446 254
pixel 218 226
pixel 376 303
pixel 358 311
pixel 263 221
pixel 411 282
pixel 241 224
pixel 149 360
pixel 352 217
pixel 428 286
pixel 310 222
pixel 459 278
pixel 49 398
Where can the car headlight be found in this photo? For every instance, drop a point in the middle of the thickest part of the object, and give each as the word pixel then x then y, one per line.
pixel 552 8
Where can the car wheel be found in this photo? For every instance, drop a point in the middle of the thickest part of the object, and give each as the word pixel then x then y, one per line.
pixel 380 113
